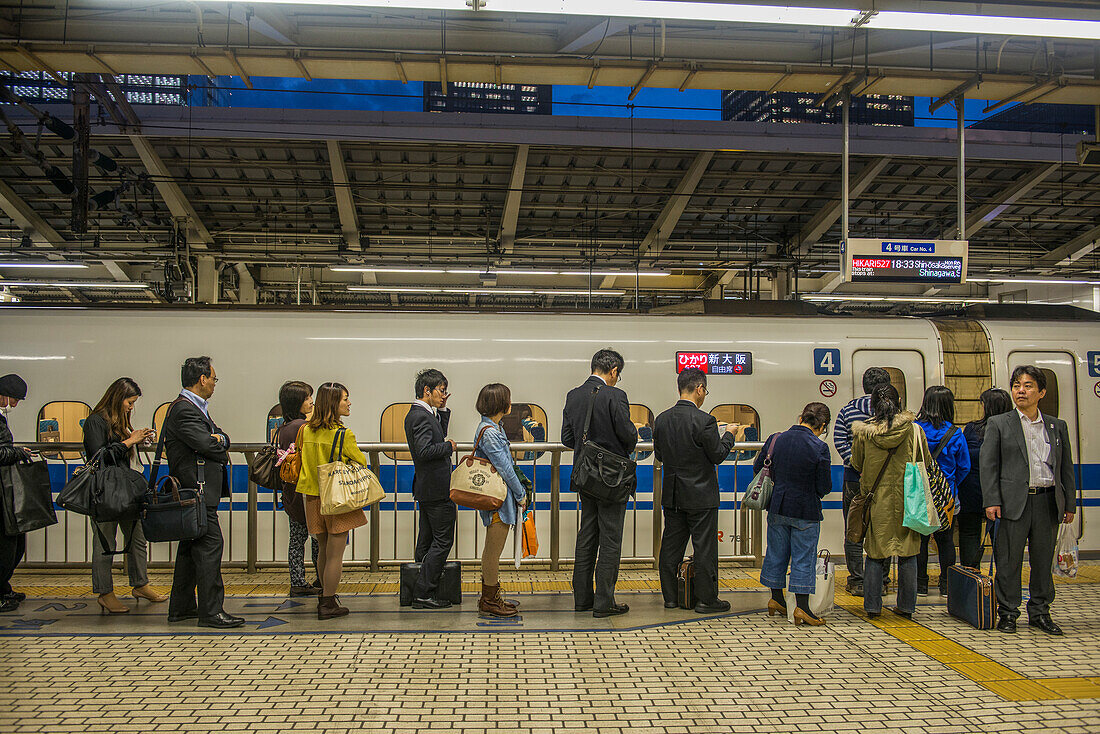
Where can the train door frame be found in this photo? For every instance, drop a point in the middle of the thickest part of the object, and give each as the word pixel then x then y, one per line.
pixel 885 357
pixel 1066 378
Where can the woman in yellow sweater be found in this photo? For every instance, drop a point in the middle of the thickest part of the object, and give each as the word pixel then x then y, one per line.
pixel 318 442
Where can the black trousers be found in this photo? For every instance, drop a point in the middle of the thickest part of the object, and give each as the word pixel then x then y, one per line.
pixel 599 547
pixel 702 527
pixel 434 540
pixel 12 548
pixel 1037 529
pixel 199 569
pixel 970 538
pixel 945 546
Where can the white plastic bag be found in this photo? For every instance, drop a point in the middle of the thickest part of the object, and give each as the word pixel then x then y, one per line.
pixel 1065 552
pixel 821 601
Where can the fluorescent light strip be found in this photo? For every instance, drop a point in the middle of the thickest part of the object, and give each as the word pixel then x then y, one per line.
pixel 1009 281
pixel 471 271
pixel 736 13
pixel 352 269
pixel 74 284
pixel 51 266
pixel 480 291
pixel 897 299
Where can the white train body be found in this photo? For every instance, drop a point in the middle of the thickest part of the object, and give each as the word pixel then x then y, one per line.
pixel 73 354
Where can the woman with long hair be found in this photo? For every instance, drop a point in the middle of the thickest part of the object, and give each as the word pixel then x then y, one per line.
pixel 881 447
pixel 296 401
pixel 109 428
pixel 318 443
pixel 971 508
pixel 937 420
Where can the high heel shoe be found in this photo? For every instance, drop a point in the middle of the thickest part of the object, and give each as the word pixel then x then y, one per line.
pixel 800 617
pixel 775 608
pixel 110 604
pixel 145 592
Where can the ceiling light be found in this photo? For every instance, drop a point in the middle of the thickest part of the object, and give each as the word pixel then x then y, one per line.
pixel 722 12
pixel 1035 281
pixel 369 269
pixel 897 299
pixel 482 291
pixel 75 284
pixel 579 293
pixel 43 265
pixel 623 273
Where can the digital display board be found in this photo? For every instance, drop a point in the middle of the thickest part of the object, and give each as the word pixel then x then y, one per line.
pixel 907 269
pixel 715 363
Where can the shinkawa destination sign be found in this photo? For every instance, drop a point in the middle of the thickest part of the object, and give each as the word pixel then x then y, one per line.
pixel 905 261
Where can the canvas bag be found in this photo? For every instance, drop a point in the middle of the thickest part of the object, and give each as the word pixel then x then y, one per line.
pixel 920 509
pixel 475 482
pixel 821 601
pixel 346 486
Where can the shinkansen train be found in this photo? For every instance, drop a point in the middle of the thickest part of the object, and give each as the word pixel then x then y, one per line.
pixel 762 371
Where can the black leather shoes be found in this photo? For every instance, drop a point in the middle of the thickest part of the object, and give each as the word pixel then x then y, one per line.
pixel 221 620
pixel 582 607
pixel 18 596
pixel 430 603
pixel 1006 624
pixel 183 617
pixel 906 615
pixel 717 607
pixel 9 605
pixel 612 611
pixel 1046 624
pixel 672 604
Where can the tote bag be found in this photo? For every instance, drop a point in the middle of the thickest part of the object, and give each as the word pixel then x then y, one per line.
pixel 821 601
pixel 476 484
pixel 920 512
pixel 27 496
pixel 345 487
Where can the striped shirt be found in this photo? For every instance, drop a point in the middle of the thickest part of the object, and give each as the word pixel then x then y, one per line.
pixel 856 410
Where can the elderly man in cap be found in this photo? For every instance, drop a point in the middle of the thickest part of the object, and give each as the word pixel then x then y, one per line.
pixel 12 390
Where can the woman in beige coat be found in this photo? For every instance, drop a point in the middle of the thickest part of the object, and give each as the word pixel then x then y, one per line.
pixel 881 447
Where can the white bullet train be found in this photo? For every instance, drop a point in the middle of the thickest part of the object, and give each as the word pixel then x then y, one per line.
pixel 763 370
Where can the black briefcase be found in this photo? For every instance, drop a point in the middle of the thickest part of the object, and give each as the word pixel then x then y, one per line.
pixel 172 513
pixel 450 582
pixel 685 584
pixel 970 594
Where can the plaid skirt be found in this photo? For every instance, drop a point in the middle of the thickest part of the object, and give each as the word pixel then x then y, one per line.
pixel 342 523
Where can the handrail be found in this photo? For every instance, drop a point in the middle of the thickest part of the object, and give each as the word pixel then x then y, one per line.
pixel 748 523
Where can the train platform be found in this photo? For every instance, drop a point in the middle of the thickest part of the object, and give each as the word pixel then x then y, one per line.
pixel 69 668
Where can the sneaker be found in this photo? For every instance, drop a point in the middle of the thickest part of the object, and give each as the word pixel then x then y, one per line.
pixel 855 589
pixel 922 588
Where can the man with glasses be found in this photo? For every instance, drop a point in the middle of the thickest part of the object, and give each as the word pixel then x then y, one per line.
pixel 426 431
pixel 690 444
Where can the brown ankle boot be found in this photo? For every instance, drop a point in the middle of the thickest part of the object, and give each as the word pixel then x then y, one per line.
pixel 490 604
pixel 329 607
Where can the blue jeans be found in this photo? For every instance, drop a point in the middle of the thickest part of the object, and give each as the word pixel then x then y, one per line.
pixel 790 541
pixel 907 584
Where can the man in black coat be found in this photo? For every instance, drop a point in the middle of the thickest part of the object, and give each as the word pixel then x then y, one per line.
pixel 688 444
pixel 12 547
pixel 600 532
pixel 198 455
pixel 426 430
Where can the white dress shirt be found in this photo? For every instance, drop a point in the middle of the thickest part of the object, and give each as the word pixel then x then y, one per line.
pixel 426 407
pixel 1040 471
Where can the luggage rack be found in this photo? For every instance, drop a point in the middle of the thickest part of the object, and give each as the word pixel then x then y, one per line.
pixel 746 531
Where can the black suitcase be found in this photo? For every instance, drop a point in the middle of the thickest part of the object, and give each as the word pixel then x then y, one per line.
pixel 685 584
pixel 450 582
pixel 970 596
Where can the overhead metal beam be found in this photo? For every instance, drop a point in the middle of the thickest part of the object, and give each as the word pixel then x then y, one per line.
pixel 345 204
pixel 954 94
pixel 252 19
pixel 828 215
pixel 169 190
pixel 1002 201
pixel 670 215
pixel 117 271
pixel 595 34
pixel 1073 250
pixel 27 219
pixel 510 215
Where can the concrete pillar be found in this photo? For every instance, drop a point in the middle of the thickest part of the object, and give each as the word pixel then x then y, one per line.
pixel 781 285
pixel 246 291
pixel 206 289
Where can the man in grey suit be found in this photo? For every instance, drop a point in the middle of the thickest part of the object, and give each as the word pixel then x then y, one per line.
pixel 1027 484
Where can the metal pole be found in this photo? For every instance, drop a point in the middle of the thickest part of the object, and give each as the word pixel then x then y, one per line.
pixel 960 108
pixel 376 514
pixel 845 174
pixel 253 522
pixel 555 510
pixel 657 517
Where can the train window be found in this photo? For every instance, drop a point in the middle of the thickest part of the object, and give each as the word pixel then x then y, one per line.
pixel 62 421
pixel 744 416
pixel 1049 403
pixel 159 415
pixel 525 423
pixel 393 429
pixel 274 420
pixel 897 379
pixel 642 418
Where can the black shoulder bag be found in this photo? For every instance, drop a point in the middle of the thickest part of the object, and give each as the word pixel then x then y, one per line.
pixel 601 474
pixel 105 493
pixel 172 512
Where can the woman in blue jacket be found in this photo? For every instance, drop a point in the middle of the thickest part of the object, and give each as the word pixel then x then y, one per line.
pixel 800 470
pixel 948 445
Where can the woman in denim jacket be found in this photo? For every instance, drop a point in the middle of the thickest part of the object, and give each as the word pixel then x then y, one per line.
pixel 493 403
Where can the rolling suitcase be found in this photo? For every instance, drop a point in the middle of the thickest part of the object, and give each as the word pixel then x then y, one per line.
pixel 970 596
pixel 450 582
pixel 685 584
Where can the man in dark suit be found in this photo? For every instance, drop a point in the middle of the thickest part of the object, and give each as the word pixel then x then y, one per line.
pixel 1027 484
pixel 426 430
pixel 600 533
pixel 198 454
pixel 12 547
pixel 688 444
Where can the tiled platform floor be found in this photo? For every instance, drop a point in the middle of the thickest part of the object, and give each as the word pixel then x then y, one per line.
pixel 738 673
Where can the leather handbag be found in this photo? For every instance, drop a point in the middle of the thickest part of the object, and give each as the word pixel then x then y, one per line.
pixel 970 593
pixel 170 512
pixel 27 496
pixel 859 511
pixel 475 482
pixel 758 495
pixel 263 470
pixel 290 464
pixel 346 486
pixel 105 493
pixel 599 473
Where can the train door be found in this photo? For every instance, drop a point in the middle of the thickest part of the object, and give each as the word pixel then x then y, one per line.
pixel 906 368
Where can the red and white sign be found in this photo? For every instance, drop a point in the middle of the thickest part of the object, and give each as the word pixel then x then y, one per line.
pixel 687 360
pixel 828 388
